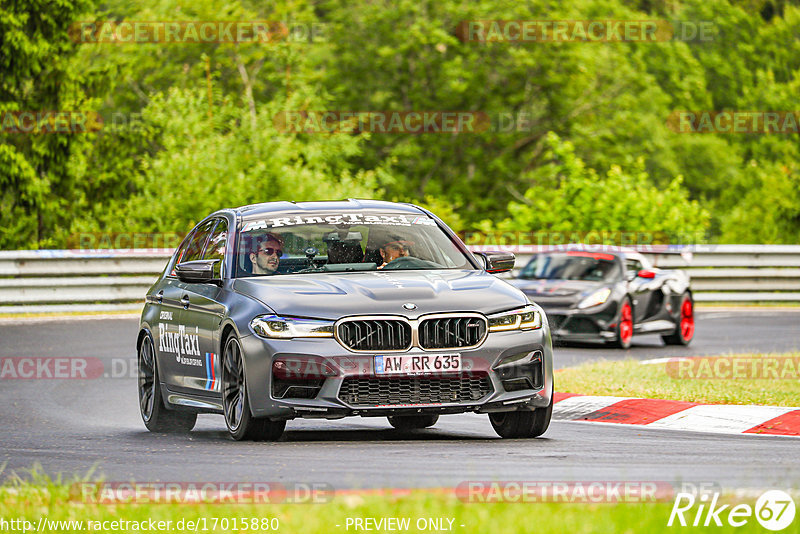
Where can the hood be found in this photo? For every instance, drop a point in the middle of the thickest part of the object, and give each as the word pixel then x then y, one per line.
pixel 556 288
pixel 331 296
pixel 560 292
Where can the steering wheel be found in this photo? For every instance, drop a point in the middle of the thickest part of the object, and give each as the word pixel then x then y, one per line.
pixel 410 262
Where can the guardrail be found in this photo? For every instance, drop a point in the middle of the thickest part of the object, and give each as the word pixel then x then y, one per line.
pixel 60 280
pixel 726 273
pixel 70 280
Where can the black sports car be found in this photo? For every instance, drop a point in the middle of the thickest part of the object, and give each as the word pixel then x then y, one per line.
pixel 270 312
pixel 608 296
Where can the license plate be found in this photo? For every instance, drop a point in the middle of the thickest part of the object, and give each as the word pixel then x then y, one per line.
pixel 417 364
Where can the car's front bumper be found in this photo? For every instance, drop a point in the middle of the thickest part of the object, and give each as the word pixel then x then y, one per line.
pixel 597 323
pixel 330 402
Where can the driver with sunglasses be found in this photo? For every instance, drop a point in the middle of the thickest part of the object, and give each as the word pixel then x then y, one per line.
pixel 267 254
pixel 392 250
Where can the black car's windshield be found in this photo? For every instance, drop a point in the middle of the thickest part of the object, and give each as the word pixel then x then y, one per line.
pixel 573 266
pixel 291 243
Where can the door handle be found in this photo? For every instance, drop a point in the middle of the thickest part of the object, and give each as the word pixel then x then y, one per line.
pixel 160 296
pixel 185 302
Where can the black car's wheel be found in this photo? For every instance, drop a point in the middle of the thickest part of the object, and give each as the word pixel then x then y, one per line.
pixel 624 328
pixel 523 423
pixel 156 417
pixel 412 422
pixel 684 330
pixel 235 404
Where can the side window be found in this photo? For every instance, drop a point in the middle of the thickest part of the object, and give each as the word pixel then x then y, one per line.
pixel 215 250
pixel 181 253
pixel 632 265
pixel 198 241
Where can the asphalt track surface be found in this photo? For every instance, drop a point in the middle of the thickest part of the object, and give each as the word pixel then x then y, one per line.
pixel 74 426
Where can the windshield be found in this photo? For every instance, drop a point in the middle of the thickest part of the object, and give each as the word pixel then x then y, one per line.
pixel 291 243
pixel 573 266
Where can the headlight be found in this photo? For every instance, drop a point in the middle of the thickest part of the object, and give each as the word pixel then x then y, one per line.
pixel 598 297
pixel 289 327
pixel 527 318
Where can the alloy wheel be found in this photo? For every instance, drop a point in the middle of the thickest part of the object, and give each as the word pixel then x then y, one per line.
pixel 146 378
pixel 233 390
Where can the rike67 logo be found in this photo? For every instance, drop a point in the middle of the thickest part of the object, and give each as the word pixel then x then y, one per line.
pixel 774 510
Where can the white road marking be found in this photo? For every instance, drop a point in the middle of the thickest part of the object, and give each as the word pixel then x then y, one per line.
pixel 724 419
pixel 666 360
pixel 575 407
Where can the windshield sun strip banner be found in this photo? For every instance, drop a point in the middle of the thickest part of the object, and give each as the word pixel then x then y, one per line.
pixel 288 220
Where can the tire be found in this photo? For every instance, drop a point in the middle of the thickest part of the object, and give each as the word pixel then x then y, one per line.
pixel 523 423
pixel 236 406
pixel 684 330
pixel 156 416
pixel 624 329
pixel 412 422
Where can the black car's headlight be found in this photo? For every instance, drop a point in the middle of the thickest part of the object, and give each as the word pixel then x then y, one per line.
pixel 595 299
pixel 527 318
pixel 273 326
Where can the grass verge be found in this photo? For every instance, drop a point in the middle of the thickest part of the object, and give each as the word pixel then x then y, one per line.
pixel 704 382
pixel 31 502
pixel 72 314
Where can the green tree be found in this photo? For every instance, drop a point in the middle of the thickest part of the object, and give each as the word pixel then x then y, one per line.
pixel 40 173
pixel 566 196
pixel 203 135
pixel 198 132
pixel 610 99
pixel 210 158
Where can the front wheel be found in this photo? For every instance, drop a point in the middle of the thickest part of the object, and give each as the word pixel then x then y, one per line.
pixel 523 423
pixel 684 330
pixel 156 416
pixel 235 404
pixel 624 329
pixel 412 422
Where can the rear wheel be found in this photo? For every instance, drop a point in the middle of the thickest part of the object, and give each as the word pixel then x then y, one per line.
pixel 156 416
pixel 684 330
pixel 412 422
pixel 522 424
pixel 235 404
pixel 624 330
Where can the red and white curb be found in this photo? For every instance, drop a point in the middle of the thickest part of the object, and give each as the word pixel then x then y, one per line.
pixel 677 415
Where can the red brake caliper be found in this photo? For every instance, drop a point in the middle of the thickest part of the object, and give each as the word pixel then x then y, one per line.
pixel 687 319
pixel 625 323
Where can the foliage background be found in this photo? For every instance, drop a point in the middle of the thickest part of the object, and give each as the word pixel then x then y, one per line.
pixel 189 127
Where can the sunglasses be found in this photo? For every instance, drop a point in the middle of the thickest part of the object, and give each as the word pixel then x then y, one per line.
pixel 269 251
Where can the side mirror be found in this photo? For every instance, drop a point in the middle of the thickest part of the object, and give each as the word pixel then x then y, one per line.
pixel 645 273
pixel 497 262
pixel 196 272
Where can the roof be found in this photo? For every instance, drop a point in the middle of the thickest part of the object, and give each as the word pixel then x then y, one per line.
pixel 330 205
pixel 590 248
